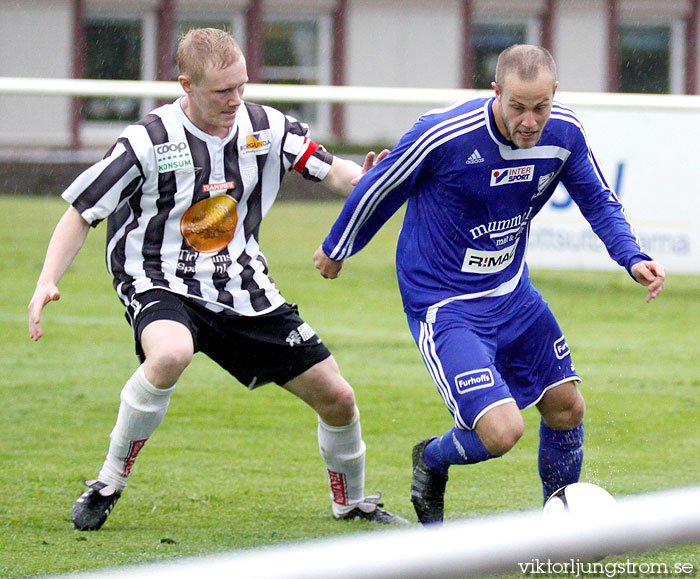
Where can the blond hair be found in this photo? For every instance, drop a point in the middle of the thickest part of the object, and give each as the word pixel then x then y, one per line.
pixel 200 48
pixel 525 60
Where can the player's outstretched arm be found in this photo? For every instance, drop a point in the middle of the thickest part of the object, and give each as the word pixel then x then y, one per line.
pixel 345 174
pixel 66 241
pixel 650 274
pixel 325 265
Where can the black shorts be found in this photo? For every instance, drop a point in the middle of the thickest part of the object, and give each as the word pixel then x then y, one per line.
pixel 256 350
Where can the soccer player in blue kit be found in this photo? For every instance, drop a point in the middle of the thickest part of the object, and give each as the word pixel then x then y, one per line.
pixel 474 175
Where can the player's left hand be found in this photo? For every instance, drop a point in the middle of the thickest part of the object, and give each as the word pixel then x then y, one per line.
pixel 325 265
pixel 650 274
pixel 44 293
pixel 371 159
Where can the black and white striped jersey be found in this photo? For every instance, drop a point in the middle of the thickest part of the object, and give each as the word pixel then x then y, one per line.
pixel 184 207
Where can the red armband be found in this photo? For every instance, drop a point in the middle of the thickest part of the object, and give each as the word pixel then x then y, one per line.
pixel 301 164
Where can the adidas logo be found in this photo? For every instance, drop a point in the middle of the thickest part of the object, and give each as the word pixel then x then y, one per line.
pixel 475 158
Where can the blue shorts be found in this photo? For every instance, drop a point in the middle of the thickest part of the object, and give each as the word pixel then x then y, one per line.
pixel 477 367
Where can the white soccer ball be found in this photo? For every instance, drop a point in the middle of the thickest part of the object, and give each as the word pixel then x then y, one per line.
pixel 580 498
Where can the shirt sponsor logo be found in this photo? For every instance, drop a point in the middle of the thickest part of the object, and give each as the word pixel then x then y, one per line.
pixel 173 157
pixel 474 380
pixel 477 261
pixel 512 225
pixel 221 263
pixel 561 349
pixel 218 186
pixel 257 143
pixel 512 175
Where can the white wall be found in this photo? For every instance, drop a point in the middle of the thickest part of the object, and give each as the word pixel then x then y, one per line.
pixel 653 149
pixel 35 41
pixel 414 43
pixel 580 45
pixel 407 44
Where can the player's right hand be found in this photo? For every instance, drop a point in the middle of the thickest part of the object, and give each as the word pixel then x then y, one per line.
pixel 44 293
pixel 371 159
pixel 327 267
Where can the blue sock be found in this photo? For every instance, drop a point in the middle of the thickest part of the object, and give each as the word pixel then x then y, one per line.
pixel 456 446
pixel 560 457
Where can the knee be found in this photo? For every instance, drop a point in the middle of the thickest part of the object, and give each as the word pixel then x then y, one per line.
pixel 339 407
pixel 503 439
pixel 500 431
pixel 168 348
pixel 163 367
pixel 567 416
pixel 324 389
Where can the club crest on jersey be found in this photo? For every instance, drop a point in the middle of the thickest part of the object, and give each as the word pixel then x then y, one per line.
pixel 512 175
pixel 256 143
pixel 474 380
pixel 544 182
pixel 173 156
pixel 249 174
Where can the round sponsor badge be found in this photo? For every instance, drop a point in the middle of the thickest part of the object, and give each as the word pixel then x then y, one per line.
pixel 208 226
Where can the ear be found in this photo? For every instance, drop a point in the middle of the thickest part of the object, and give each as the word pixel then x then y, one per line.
pixel 494 86
pixel 556 85
pixel 185 83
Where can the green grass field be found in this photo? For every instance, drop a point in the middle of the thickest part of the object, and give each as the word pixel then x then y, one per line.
pixel 231 469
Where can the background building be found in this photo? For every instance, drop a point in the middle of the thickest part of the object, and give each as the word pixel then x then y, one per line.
pixel 600 45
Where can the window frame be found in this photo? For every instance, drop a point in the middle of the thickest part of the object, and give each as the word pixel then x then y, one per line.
pixel 531 23
pixel 99 132
pixel 677 48
pixel 234 20
pixel 321 125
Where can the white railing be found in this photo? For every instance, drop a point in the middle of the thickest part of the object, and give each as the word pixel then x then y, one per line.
pixel 647 174
pixel 319 93
pixel 523 544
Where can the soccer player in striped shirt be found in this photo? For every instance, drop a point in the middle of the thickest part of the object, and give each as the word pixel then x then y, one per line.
pixel 184 191
pixel 474 175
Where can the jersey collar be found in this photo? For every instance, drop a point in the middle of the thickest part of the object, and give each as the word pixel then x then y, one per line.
pixel 204 136
pixel 499 139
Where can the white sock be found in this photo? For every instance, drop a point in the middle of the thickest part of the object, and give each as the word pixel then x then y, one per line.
pixel 343 451
pixel 142 409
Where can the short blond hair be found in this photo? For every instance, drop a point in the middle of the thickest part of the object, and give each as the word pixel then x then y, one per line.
pixel 200 48
pixel 526 61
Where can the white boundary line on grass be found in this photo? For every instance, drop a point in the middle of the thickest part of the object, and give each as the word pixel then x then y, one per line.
pixel 403 335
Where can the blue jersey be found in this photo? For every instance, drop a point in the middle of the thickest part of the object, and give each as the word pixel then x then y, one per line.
pixel 471 198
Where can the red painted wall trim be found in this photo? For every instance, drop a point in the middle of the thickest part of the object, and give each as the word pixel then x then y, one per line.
pixel 547 30
pixel 254 40
pixel 467 79
pixel 78 70
pixel 691 48
pixel 613 50
pixel 338 56
pixel 165 15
